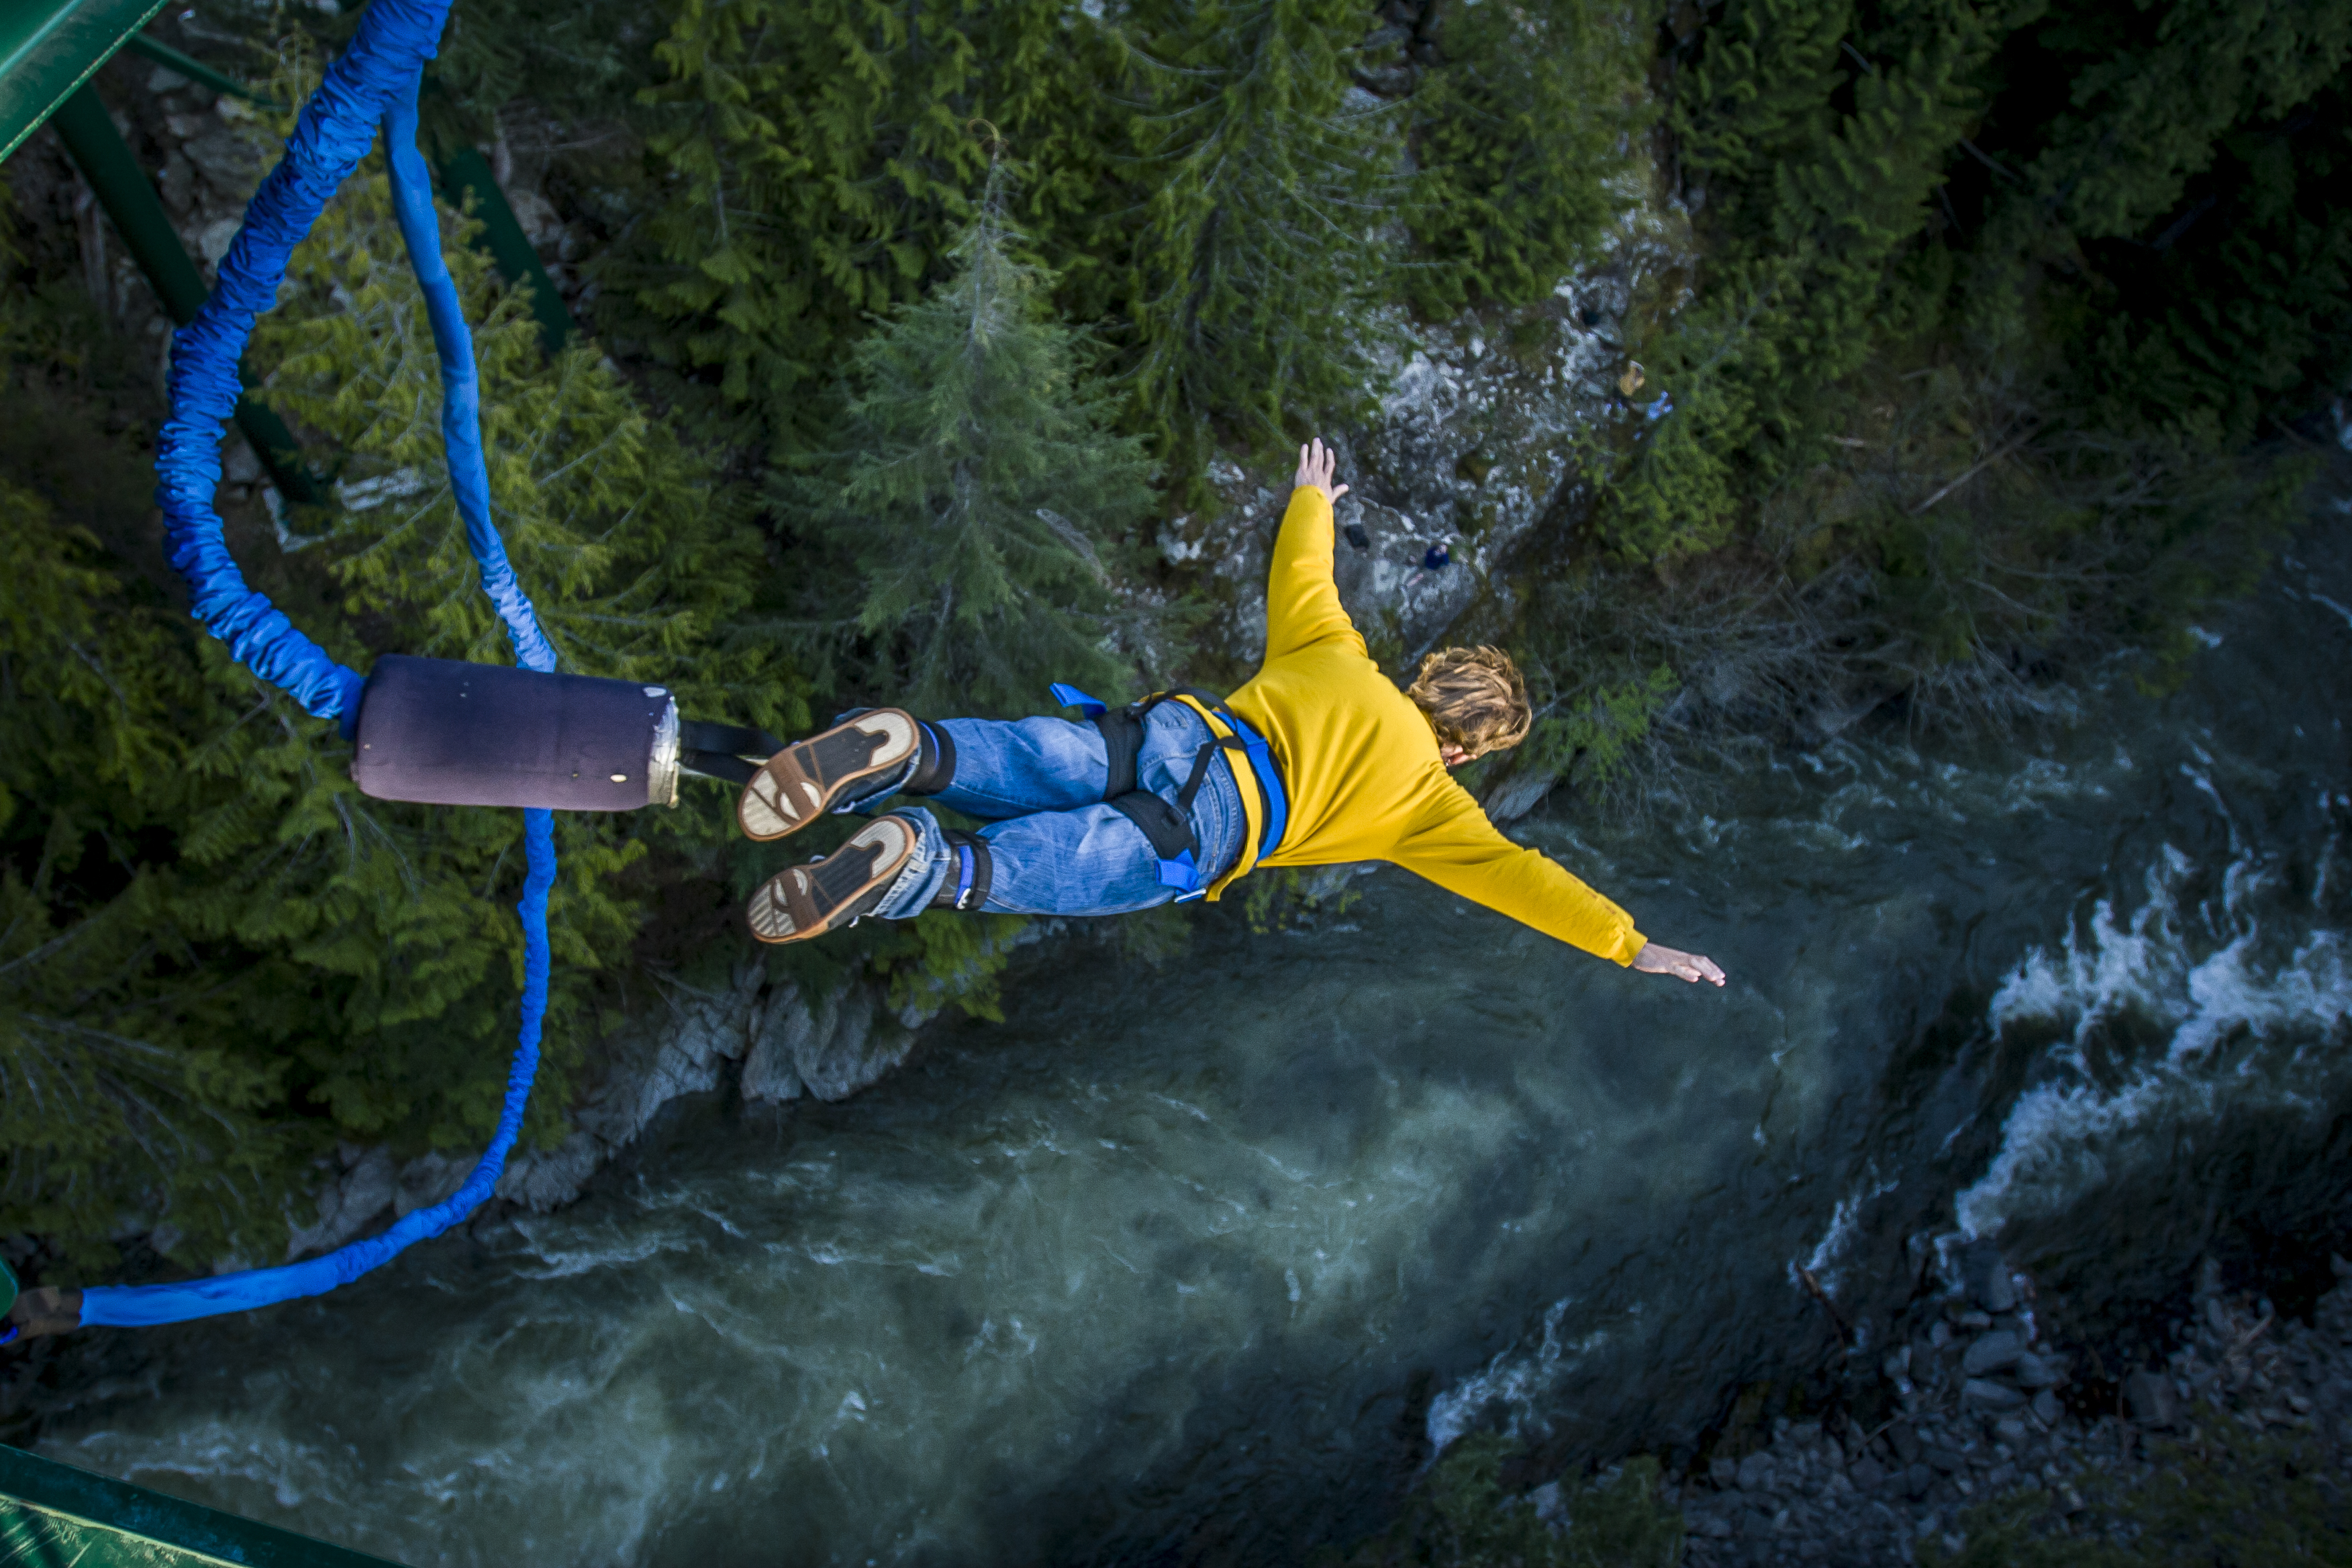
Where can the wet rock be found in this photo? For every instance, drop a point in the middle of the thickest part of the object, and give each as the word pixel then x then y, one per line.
pixel 2040 1371
pixel 348 1204
pixel 2148 1397
pixel 1984 1274
pixel 1903 1439
pixel 1983 1395
pixel 542 1180
pixel 427 1179
pixel 1996 1352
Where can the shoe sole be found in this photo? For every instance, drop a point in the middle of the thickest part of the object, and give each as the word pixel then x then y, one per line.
pixel 809 900
pixel 800 783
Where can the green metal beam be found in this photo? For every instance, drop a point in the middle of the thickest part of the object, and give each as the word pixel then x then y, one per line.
pixel 54 1513
pixel 466 172
pixel 122 188
pixel 194 70
pixel 49 48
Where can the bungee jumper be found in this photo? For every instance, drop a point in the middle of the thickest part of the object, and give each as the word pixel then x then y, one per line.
pixel 1319 760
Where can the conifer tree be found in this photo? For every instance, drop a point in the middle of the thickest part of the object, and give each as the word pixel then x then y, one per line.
pixel 977 494
pixel 818 155
pixel 1516 131
pixel 1264 183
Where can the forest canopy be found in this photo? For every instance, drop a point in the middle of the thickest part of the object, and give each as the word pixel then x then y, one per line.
pixel 1994 340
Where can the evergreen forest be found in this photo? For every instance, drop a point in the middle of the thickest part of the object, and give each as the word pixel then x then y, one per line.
pixel 1932 355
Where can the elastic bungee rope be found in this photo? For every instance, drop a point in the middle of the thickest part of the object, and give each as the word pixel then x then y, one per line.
pixel 375 82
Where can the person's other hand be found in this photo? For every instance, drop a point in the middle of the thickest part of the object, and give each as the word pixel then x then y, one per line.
pixel 1656 959
pixel 1316 462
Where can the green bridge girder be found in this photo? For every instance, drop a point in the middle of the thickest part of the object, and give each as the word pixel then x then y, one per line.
pixel 59 1516
pixel 49 47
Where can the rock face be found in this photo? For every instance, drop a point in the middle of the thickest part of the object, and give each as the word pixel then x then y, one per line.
pixel 843 1044
pixel 1471 447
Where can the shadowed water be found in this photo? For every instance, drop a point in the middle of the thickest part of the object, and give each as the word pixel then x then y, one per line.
pixel 1203 1263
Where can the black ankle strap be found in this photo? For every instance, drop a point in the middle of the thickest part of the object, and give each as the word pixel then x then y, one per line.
pixel 966 885
pixel 935 763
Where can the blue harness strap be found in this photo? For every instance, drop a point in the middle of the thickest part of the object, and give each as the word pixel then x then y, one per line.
pixel 375 81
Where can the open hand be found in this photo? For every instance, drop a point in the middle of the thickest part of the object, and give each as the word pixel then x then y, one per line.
pixel 1316 462
pixel 1656 959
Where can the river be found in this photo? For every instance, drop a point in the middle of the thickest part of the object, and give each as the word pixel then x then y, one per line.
pixel 1202 1263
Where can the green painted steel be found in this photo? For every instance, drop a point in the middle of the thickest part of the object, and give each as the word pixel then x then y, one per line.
pixel 466 172
pixel 54 1514
pixel 123 189
pixel 194 70
pixel 49 48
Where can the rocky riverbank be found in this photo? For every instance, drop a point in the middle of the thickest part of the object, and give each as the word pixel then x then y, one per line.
pixel 1994 1427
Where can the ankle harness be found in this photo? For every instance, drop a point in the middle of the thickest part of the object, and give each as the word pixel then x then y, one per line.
pixel 967 886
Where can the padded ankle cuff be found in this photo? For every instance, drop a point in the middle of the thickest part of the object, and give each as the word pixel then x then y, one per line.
pixel 965 886
pixel 935 768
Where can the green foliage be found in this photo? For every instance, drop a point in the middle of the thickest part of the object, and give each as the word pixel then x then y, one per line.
pixel 217 956
pixel 1463 1518
pixel 1517 135
pixel 977 490
pixel 2231 1497
pixel 1594 739
pixel 817 158
pixel 1257 258
pixel 1988 301
pixel 127 1077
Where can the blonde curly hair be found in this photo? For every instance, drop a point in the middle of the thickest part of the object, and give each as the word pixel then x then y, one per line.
pixel 1474 697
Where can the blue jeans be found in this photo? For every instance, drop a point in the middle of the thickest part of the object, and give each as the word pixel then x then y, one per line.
pixel 1056 848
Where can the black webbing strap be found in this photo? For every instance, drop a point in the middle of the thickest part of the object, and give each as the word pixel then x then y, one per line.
pixel 1170 827
pixel 1122 733
pixel 1170 833
pixel 720 751
pixel 734 740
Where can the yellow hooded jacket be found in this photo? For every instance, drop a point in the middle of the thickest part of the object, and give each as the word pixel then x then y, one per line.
pixel 1360 768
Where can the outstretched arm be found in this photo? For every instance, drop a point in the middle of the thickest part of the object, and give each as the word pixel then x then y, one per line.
pixel 1302 603
pixel 1460 850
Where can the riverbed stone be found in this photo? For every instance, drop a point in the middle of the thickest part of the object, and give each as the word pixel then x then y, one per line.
pixel 2040 1371
pixel 1985 1275
pixel 1996 1352
pixel 1981 1394
pixel 2046 1408
pixel 2148 1397
pixel 1757 1472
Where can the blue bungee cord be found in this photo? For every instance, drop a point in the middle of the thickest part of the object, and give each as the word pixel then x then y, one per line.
pixel 375 82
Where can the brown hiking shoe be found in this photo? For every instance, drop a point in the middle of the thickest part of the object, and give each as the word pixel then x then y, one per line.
pixel 809 900
pixel 800 783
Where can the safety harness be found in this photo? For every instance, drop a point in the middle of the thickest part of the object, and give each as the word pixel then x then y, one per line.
pixel 1169 828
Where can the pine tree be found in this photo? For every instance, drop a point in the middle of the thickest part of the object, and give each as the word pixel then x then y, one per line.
pixel 818 156
pixel 1256 253
pixel 1517 136
pixel 977 494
